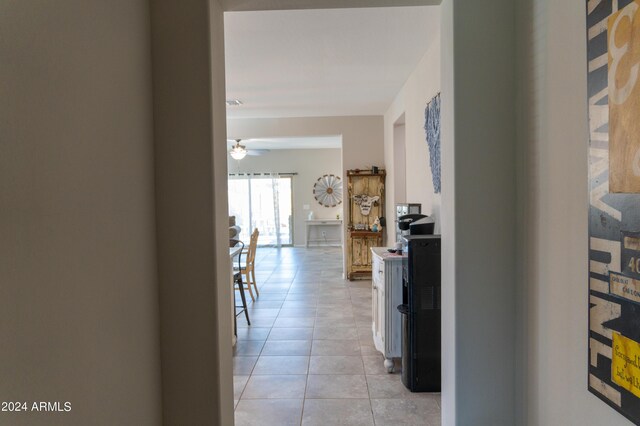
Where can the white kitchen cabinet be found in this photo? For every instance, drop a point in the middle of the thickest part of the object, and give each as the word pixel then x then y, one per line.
pixel 386 287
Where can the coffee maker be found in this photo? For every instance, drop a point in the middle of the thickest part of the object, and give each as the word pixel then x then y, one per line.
pixel 404 222
pixel 404 209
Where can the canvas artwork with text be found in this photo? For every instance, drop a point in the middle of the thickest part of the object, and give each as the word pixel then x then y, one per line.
pixel 613 54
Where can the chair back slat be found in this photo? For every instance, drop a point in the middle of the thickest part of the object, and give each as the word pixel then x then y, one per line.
pixel 253 245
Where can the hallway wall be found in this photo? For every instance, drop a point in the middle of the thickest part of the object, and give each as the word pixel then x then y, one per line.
pixel 191 212
pixel 477 216
pixel 553 208
pixel 421 86
pixel 79 301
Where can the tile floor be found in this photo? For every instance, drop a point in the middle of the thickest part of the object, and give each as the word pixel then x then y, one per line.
pixel 308 357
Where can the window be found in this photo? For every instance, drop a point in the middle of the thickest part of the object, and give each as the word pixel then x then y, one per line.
pixel 263 202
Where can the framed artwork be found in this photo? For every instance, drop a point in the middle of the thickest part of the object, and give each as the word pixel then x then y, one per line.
pixel 613 54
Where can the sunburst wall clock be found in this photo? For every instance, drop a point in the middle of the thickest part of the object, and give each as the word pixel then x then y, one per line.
pixel 328 190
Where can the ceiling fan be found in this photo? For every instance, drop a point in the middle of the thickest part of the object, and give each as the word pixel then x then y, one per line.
pixel 238 151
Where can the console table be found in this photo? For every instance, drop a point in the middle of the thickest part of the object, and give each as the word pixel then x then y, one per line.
pixel 319 224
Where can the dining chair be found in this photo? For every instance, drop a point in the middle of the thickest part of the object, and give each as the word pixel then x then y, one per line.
pixel 248 269
pixel 239 285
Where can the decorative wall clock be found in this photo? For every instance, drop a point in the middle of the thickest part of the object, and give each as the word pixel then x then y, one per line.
pixel 328 190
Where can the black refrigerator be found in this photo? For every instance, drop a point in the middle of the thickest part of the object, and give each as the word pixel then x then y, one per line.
pixel 421 319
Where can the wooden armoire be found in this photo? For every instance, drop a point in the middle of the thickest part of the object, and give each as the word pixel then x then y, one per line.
pixel 365 191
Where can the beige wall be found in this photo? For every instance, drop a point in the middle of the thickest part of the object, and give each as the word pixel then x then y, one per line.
pixel 192 225
pixel 79 301
pixel 421 86
pixel 554 138
pixel 362 136
pixel 309 164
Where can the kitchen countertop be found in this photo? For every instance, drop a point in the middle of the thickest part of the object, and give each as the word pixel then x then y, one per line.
pixel 386 255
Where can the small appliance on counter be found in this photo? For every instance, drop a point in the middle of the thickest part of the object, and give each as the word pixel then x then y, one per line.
pixel 403 224
pixel 423 226
pixel 403 209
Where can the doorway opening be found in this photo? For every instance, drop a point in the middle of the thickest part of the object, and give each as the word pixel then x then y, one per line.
pixel 310 348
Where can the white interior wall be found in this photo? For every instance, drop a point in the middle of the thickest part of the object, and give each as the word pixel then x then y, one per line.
pixel 309 164
pixel 478 220
pixel 447 111
pixel 554 138
pixel 422 85
pixel 399 162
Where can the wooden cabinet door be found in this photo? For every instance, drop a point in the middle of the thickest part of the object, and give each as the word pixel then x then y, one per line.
pixel 359 253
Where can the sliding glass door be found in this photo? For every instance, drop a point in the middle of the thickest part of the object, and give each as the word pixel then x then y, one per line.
pixel 263 202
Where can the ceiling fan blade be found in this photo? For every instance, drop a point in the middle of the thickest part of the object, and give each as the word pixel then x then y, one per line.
pixel 257 152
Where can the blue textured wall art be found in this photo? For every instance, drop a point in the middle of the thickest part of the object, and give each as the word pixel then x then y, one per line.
pixel 432 131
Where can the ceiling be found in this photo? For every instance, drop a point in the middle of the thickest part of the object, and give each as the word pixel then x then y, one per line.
pixel 306 63
pixel 319 142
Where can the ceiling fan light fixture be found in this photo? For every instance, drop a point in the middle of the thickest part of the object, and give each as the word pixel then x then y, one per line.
pixel 238 152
